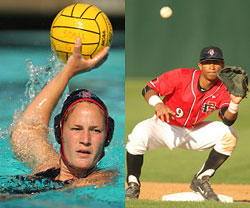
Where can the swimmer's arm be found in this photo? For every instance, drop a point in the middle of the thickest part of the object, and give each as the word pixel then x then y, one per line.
pixel 29 137
pixel 43 104
pixel 99 178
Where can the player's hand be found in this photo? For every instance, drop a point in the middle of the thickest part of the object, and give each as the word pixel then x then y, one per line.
pixel 163 112
pixel 235 99
pixel 77 64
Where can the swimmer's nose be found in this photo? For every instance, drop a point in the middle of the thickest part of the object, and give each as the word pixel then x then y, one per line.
pixel 85 138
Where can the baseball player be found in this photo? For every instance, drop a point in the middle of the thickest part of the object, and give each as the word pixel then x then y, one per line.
pixel 190 95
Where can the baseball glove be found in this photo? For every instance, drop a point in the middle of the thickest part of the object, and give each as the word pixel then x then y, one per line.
pixel 235 79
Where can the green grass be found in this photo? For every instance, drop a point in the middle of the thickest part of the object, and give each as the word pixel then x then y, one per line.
pixel 160 204
pixel 163 165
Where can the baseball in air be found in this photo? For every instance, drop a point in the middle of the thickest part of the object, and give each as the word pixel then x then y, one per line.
pixel 166 12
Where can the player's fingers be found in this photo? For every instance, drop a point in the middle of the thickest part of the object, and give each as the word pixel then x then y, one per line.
pixel 172 115
pixel 157 117
pixel 102 54
pixel 163 116
pixel 235 99
pixel 102 61
pixel 167 117
pixel 78 47
pixel 93 62
pixel 171 112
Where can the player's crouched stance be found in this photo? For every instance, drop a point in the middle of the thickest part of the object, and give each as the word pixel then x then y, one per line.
pixel 190 95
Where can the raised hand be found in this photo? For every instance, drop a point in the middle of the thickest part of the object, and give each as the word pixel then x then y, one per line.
pixel 77 64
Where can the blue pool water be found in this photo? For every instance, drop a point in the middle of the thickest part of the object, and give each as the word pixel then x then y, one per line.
pixel 107 82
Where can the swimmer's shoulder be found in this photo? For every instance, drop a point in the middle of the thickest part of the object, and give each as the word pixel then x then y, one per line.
pixel 98 177
pixel 46 166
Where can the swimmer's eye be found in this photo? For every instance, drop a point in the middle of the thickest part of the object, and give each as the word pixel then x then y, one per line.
pixel 76 129
pixel 97 130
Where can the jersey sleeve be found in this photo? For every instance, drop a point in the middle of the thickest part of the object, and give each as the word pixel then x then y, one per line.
pixel 166 83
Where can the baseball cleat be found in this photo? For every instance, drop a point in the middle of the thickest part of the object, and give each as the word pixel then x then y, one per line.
pixel 133 191
pixel 203 187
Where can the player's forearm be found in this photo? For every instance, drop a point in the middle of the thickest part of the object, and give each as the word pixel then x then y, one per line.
pixel 232 112
pixel 230 116
pixel 149 94
pixel 43 104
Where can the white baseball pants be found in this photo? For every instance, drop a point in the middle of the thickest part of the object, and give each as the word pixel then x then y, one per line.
pixel 151 134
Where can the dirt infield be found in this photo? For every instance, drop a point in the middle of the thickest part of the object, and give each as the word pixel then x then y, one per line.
pixel 155 191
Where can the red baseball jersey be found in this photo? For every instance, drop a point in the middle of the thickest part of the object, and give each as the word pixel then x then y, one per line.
pixel 181 94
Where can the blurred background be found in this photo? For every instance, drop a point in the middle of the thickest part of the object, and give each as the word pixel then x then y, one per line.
pixel 155 45
pixel 38 15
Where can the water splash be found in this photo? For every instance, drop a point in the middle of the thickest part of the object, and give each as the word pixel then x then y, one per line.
pixel 4 133
pixel 39 76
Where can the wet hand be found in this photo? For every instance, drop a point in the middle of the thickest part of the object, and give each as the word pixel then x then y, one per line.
pixel 77 64
pixel 163 112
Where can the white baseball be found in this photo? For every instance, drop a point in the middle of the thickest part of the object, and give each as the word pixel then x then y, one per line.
pixel 166 12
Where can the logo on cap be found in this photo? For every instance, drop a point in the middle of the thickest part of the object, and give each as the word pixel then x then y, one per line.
pixel 84 94
pixel 211 52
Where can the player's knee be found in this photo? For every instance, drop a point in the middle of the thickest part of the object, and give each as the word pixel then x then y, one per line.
pixel 228 142
pixel 138 139
pixel 137 144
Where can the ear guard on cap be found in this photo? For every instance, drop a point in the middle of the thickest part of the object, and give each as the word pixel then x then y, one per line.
pixel 111 127
pixel 57 130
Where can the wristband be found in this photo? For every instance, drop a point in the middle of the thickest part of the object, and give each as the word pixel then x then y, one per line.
pixel 153 100
pixel 233 108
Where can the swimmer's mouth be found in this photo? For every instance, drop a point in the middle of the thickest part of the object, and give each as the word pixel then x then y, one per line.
pixel 83 151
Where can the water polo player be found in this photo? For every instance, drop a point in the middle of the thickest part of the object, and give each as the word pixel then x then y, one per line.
pixel 83 128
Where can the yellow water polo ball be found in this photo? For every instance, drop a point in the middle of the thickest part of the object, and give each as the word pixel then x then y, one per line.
pixel 80 21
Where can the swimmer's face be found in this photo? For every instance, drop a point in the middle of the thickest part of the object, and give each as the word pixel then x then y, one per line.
pixel 84 134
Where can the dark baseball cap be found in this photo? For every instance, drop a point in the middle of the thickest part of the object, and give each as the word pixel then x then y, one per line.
pixel 211 53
